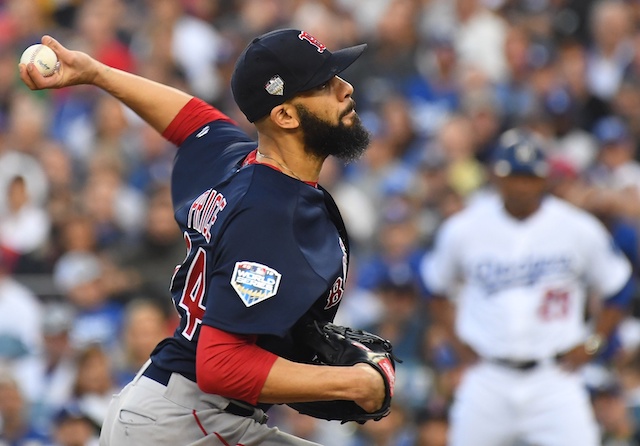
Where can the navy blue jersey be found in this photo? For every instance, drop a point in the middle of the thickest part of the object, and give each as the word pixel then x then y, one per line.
pixel 265 252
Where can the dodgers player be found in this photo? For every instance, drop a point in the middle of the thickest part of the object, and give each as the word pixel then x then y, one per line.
pixel 520 265
pixel 266 249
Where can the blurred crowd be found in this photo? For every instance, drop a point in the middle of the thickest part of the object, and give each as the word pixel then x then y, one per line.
pixel 87 238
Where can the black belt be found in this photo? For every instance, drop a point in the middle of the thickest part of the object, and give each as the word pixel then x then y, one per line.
pixel 242 411
pixel 162 376
pixel 521 365
pixel 517 365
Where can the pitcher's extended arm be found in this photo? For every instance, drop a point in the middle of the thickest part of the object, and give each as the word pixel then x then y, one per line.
pixel 156 103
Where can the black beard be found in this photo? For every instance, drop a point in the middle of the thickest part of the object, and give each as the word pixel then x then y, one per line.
pixel 322 139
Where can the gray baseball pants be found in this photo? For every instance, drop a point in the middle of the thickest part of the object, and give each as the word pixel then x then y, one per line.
pixel 147 412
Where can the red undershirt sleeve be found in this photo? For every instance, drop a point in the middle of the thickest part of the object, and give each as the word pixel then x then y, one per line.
pixel 191 117
pixel 231 365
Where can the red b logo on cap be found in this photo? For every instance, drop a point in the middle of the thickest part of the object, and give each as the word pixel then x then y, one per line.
pixel 312 40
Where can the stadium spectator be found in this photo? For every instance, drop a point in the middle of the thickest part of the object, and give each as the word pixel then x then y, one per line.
pixel 144 265
pixel 73 427
pixel 94 384
pixel 145 325
pixel 399 250
pixel 24 227
pixel 618 427
pixel 20 323
pixel 480 38
pixel 54 370
pixel 16 427
pixel 432 428
pixel 79 277
pixel 611 51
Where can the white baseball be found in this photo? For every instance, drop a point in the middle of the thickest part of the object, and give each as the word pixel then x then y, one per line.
pixel 42 57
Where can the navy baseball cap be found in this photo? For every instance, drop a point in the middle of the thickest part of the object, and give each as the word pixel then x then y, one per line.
pixel 610 130
pixel 520 153
pixel 277 65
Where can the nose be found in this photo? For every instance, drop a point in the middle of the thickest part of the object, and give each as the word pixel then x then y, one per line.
pixel 345 89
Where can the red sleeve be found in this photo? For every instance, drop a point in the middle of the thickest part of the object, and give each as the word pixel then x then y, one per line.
pixel 192 116
pixel 231 365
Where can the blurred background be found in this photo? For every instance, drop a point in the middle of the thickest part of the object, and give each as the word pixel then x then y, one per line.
pixel 87 238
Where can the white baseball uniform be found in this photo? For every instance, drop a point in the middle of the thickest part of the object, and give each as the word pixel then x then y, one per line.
pixel 521 289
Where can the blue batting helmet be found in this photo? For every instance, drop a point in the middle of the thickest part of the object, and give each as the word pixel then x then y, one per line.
pixel 520 153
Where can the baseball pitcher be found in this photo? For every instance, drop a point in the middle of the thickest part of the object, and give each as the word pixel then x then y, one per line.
pixel 266 252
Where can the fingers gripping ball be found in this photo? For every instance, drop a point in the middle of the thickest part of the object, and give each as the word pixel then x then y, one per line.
pixel 337 345
pixel 43 57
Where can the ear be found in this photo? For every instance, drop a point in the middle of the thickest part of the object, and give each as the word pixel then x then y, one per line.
pixel 285 116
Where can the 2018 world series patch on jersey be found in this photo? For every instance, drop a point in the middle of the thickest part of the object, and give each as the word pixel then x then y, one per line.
pixel 254 282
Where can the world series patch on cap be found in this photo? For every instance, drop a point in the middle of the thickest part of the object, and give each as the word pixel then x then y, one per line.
pixel 280 64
